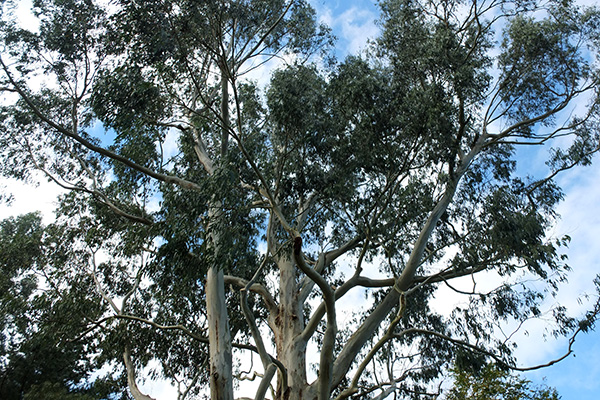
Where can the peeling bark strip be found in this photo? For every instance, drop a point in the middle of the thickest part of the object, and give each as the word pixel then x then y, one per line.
pixel 287 323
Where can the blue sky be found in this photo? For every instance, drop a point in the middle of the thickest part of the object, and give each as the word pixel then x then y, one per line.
pixel 577 377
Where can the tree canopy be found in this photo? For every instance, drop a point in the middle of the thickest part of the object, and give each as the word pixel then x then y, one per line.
pixel 209 220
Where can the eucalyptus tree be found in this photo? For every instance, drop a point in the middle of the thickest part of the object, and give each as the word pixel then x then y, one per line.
pixel 210 212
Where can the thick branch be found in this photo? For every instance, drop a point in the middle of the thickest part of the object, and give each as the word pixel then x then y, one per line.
pixel 327 347
pixel 265 382
pixel 355 281
pixel 324 260
pixel 406 279
pixel 133 387
pixel 257 288
pixel 389 334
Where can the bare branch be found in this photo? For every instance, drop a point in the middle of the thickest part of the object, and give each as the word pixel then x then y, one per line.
pixel 389 334
pixel 324 260
pixel 406 278
pixel 495 357
pixel 133 387
pixel 264 356
pixel 265 382
pixel 355 281
pixel 266 34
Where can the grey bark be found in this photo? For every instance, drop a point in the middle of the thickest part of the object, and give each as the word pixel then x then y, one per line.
pixel 221 377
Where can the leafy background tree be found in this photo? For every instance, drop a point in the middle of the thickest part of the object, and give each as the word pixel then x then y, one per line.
pixel 42 357
pixel 494 383
pixel 391 172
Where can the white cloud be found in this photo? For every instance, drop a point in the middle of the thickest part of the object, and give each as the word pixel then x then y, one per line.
pixel 580 219
pixel 353 26
pixel 30 198
pixel 24 15
pixel 357 27
pixel 170 145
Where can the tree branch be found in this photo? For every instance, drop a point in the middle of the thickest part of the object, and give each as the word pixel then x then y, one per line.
pixel 181 328
pixel 324 260
pixel 406 279
pixel 264 356
pixel 351 283
pixel 495 357
pixel 97 149
pixel 389 334
pixel 254 287
pixel 328 345
pixel 133 387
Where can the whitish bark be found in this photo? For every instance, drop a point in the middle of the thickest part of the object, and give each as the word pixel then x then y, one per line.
pixel 287 325
pixel 327 346
pixel 220 357
pixel 130 369
pixel 221 378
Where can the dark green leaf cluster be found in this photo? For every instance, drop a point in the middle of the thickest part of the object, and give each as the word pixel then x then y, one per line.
pixel 541 64
pixel 491 382
pixel 39 344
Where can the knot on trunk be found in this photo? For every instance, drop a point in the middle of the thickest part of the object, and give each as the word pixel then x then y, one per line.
pixel 297 245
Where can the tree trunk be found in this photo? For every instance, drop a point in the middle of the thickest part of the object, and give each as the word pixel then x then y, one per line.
pixel 221 370
pixel 221 378
pixel 288 325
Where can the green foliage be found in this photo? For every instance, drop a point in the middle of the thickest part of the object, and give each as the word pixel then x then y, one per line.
pixel 540 63
pixel 38 344
pixel 49 391
pixel 493 383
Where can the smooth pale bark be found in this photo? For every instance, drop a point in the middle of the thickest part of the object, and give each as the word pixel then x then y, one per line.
pixel 130 369
pixel 220 356
pixel 287 325
pixel 328 343
pixel 221 377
